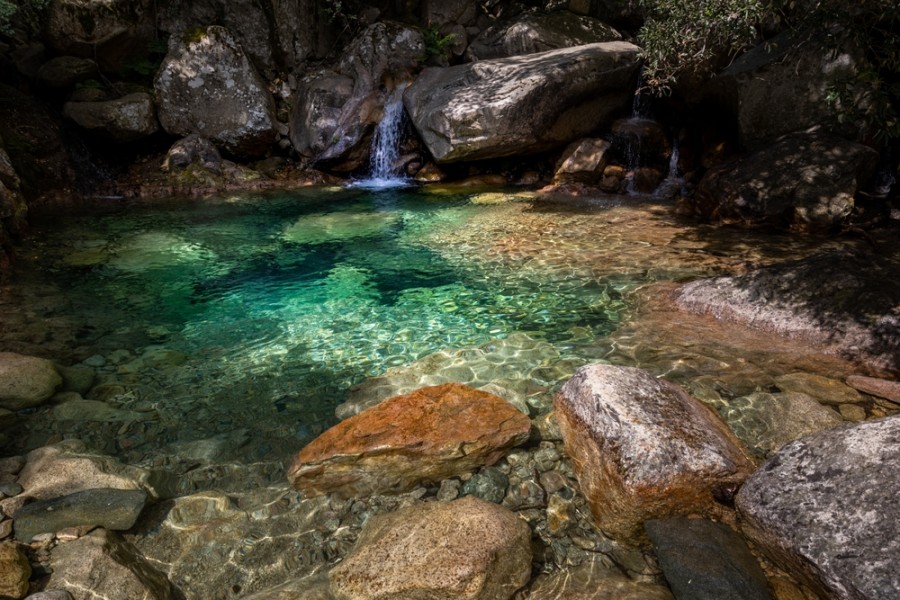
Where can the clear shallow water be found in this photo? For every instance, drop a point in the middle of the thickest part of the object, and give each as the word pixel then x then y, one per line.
pixel 232 328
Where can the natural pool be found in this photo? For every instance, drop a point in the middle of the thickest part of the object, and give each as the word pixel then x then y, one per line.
pixel 228 330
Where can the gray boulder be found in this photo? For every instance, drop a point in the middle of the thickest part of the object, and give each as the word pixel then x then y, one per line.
pixel 104 565
pixel 207 85
pixel 126 119
pixel 466 549
pixel 825 508
pixel 109 31
pixel 643 448
pixel 583 161
pixel 704 560
pixel 104 507
pixel 63 72
pixel 806 181
pixel 841 302
pixel 26 381
pixel 530 33
pixel 191 150
pixel 521 105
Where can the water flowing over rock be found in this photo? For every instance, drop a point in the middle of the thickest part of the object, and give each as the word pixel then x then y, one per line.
pixel 26 381
pixel 643 448
pixel 104 507
pixel 430 434
pixel 109 31
pixel 126 119
pixel 467 549
pixel 206 85
pixel 805 180
pixel 335 111
pixel 104 565
pixel 704 560
pixel 825 508
pixel 826 300
pixel 531 33
pixel 520 105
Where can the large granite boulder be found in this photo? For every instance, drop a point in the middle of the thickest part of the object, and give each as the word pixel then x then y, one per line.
pixel 467 549
pixel 207 85
pixel 109 31
pixel 705 560
pixel 104 565
pixel 334 112
pixel 109 508
pixel 123 120
pixel 520 105
pixel 26 381
pixel 529 33
pixel 642 448
pixel 844 303
pixel 427 435
pixel 797 78
pixel 825 508
pixel 805 181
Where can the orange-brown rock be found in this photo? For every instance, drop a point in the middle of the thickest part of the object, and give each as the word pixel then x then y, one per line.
pixel 427 435
pixel 643 448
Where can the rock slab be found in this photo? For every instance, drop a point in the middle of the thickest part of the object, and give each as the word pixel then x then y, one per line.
pixel 825 507
pixel 110 508
pixel 704 560
pixel 466 549
pixel 520 105
pixel 642 448
pixel 26 381
pixel 430 434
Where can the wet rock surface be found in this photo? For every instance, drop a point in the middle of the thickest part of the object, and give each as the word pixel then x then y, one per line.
pixel 26 381
pixel 519 105
pixel 466 549
pixel 705 560
pixel 109 508
pixel 643 448
pixel 430 434
pixel 824 507
pixel 594 580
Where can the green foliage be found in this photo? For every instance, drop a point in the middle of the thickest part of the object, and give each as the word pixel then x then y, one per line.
pixel 435 43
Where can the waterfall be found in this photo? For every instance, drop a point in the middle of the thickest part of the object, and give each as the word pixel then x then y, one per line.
pixel 385 153
pixel 673 183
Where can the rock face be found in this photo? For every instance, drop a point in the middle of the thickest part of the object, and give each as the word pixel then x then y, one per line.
pixel 123 120
pixel 103 565
pixel 14 572
pixel 793 76
pixel 105 507
pixel 430 434
pixel 825 507
pixel 704 560
pixel 531 33
pixel 521 105
pixel 805 180
pixel 335 111
pixel 643 448
pixel 206 85
pixel 26 381
pixel 825 300
pixel 467 549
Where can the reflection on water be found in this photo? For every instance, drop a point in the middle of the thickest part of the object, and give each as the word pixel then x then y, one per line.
pixel 234 327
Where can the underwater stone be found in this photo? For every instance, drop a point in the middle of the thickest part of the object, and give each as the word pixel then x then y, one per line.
pixel 594 580
pixel 427 435
pixel 643 448
pixel 106 507
pixel 467 549
pixel 26 381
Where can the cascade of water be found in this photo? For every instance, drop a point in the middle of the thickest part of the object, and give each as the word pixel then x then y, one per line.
pixel 673 182
pixel 386 145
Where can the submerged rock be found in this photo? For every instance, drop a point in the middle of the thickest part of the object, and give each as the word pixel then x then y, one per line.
pixel 206 85
pixel 126 119
pixel 427 435
pixel 889 390
pixel 104 565
pixel 521 105
pixel 113 509
pixel 804 180
pixel 594 580
pixel 466 549
pixel 824 389
pixel 825 508
pixel 703 560
pixel 26 381
pixel 643 448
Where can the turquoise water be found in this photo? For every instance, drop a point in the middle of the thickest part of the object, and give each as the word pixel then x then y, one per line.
pixel 284 306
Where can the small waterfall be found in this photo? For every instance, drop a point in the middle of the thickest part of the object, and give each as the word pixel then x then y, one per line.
pixel 386 146
pixel 673 183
